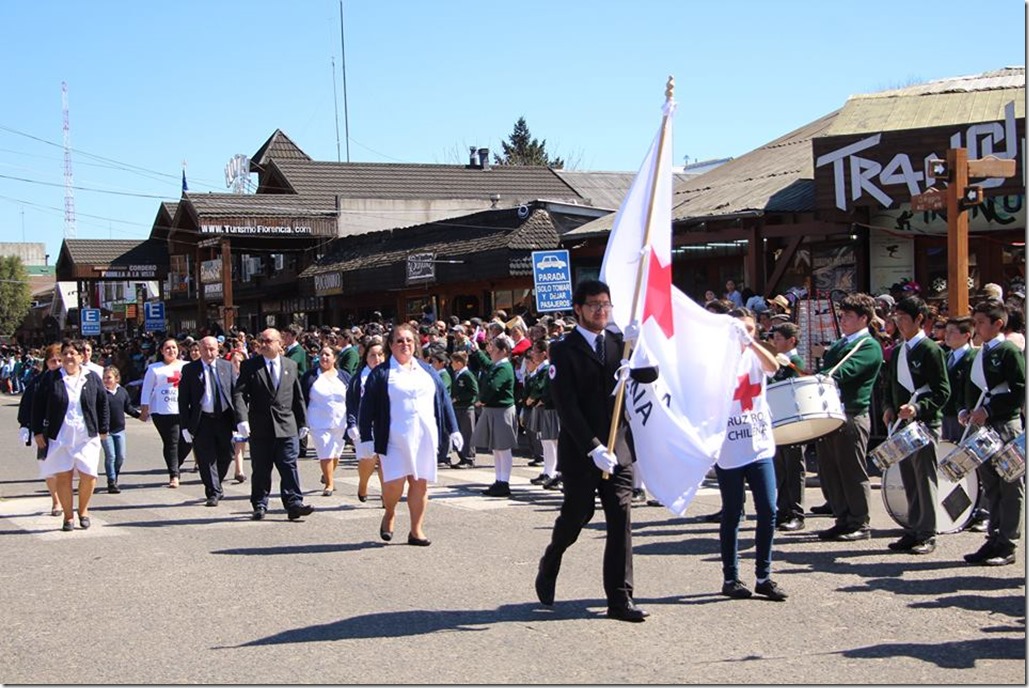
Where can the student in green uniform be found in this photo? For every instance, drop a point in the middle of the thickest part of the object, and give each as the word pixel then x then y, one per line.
pixel 544 421
pixel 439 360
pixel 789 459
pixel 842 455
pixel 917 389
pixel 464 392
pixel 495 428
pixel 292 349
pixel 994 396
pixel 348 358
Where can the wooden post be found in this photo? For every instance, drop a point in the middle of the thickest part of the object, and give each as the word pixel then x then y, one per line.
pixel 230 311
pixel 957 234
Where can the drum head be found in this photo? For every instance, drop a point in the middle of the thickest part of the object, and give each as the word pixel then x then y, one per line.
pixel 955 502
pixel 805 430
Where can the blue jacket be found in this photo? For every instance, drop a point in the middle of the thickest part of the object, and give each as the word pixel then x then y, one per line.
pixel 308 378
pixel 354 398
pixel 373 415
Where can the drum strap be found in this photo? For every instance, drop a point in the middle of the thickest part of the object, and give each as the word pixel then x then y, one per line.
pixel 850 353
pixel 904 370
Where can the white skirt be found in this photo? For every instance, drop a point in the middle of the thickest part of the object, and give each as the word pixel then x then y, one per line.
pixel 328 442
pixel 83 456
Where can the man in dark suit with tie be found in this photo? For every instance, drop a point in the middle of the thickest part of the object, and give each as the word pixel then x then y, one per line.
pixel 582 370
pixel 269 407
pixel 206 413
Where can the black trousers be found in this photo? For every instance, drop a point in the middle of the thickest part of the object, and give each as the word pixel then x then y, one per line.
pixel 789 482
pixel 212 447
pixel 280 452
pixel 580 490
pixel 176 449
pixel 843 470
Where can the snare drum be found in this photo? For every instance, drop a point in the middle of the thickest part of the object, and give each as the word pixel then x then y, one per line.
pixel 977 447
pixel 955 500
pixel 1009 462
pixel 900 445
pixel 804 408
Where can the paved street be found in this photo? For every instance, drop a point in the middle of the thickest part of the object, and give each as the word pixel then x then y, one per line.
pixel 164 590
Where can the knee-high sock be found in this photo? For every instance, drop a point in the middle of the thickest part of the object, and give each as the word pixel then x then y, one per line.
pixel 550 457
pixel 502 462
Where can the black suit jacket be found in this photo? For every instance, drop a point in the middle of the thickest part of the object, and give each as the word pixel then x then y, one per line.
pixel 581 387
pixel 50 404
pixel 191 391
pixel 272 413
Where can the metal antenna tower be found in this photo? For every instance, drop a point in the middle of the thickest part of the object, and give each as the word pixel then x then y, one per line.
pixel 69 191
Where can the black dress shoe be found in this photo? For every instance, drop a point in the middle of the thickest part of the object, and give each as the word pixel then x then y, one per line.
pixel 386 535
pixel 362 498
pixel 258 514
pixel 464 464
pixel 553 484
pixel 300 511
pixel 988 549
pixel 822 510
pixel 418 542
pixel 540 479
pixel 864 533
pixel 770 590
pixel 927 546
pixel 904 544
pixel 830 533
pixel 715 517
pixel 211 501
pixel 1002 556
pixel 498 489
pixel 630 613
pixel 792 525
pixel 545 587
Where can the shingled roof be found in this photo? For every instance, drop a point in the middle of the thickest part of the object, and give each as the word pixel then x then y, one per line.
pixel 604 189
pixel 260 205
pixel 115 252
pixel 513 184
pixel 278 146
pixel 483 231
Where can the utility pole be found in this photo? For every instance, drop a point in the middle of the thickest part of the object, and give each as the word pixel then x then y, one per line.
pixel 957 198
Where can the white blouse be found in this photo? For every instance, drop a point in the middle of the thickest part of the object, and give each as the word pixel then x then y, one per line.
pixel 328 405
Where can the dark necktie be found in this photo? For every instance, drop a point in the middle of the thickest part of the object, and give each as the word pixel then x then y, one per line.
pixel 271 371
pixel 951 357
pixel 599 346
pixel 216 398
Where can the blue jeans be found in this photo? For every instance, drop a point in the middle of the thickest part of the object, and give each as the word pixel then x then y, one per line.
pixel 761 477
pixel 114 454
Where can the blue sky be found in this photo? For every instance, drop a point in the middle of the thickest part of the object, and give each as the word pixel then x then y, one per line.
pixel 151 84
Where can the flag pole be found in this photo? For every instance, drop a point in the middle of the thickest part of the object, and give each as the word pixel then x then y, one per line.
pixel 626 347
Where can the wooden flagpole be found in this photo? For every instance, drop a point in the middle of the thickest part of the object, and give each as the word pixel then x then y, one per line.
pixel 626 347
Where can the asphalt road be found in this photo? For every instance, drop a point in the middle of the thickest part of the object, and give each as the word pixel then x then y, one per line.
pixel 164 590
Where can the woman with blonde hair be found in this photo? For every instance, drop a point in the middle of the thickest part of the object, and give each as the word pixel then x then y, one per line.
pixel 405 416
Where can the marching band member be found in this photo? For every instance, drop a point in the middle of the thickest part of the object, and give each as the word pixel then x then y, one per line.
pixel 994 396
pixel 917 389
pixel 789 459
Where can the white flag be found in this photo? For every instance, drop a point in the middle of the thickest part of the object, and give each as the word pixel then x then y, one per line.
pixel 678 421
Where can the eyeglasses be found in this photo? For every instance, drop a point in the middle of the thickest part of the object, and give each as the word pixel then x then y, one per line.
pixel 404 341
pixel 597 307
pixel 265 340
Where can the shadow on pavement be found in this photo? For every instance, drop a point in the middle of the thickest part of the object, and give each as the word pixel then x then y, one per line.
pixel 424 621
pixel 1011 605
pixel 953 655
pixel 302 549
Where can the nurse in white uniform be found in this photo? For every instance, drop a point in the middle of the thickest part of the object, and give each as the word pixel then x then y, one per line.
pixel 70 422
pixel 407 410
pixel 325 390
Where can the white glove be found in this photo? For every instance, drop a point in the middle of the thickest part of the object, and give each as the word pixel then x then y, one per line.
pixel 456 441
pixel 783 360
pixel 243 429
pixel 303 432
pixel 603 459
pixel 354 434
pixel 186 435
pixel 366 450
pixel 631 332
pixel 25 435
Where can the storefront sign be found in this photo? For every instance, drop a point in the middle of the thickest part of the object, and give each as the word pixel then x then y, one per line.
pixel 299 227
pixel 128 272
pixel 891 258
pixel 328 283
pixel 214 289
pixel 211 271
pixel 996 213
pixel 421 267
pixel 888 168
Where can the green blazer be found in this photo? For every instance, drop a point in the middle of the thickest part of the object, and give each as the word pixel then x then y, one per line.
pixel 464 389
pixel 299 356
pixel 1002 363
pixel 496 386
pixel 348 359
pixel 786 372
pixel 928 366
pixel 857 376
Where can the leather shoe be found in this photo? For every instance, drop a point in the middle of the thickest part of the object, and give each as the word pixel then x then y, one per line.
pixel 211 501
pixel 792 525
pixel 300 511
pixel 498 489
pixel 822 510
pixel 856 534
pixel 830 533
pixel 540 479
pixel 1002 557
pixel 904 544
pixel 553 484
pixel 386 535
pixel 630 613
pixel 927 546
pixel 258 514
pixel 463 464
pixel 418 542
pixel 545 587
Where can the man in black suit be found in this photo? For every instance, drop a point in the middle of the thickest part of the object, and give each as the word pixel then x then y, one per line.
pixel 582 370
pixel 269 407
pixel 206 415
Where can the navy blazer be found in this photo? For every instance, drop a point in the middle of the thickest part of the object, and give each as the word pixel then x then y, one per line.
pixel 373 416
pixel 308 378
pixel 50 405
pixel 191 391
pixel 354 398
pixel 272 413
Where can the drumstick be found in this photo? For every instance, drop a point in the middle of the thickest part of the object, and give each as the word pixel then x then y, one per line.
pixel 785 362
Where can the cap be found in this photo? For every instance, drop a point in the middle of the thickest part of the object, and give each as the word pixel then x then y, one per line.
pixel 221 339
pixel 887 299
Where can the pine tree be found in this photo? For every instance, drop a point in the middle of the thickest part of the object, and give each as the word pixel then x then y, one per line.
pixel 15 295
pixel 522 149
